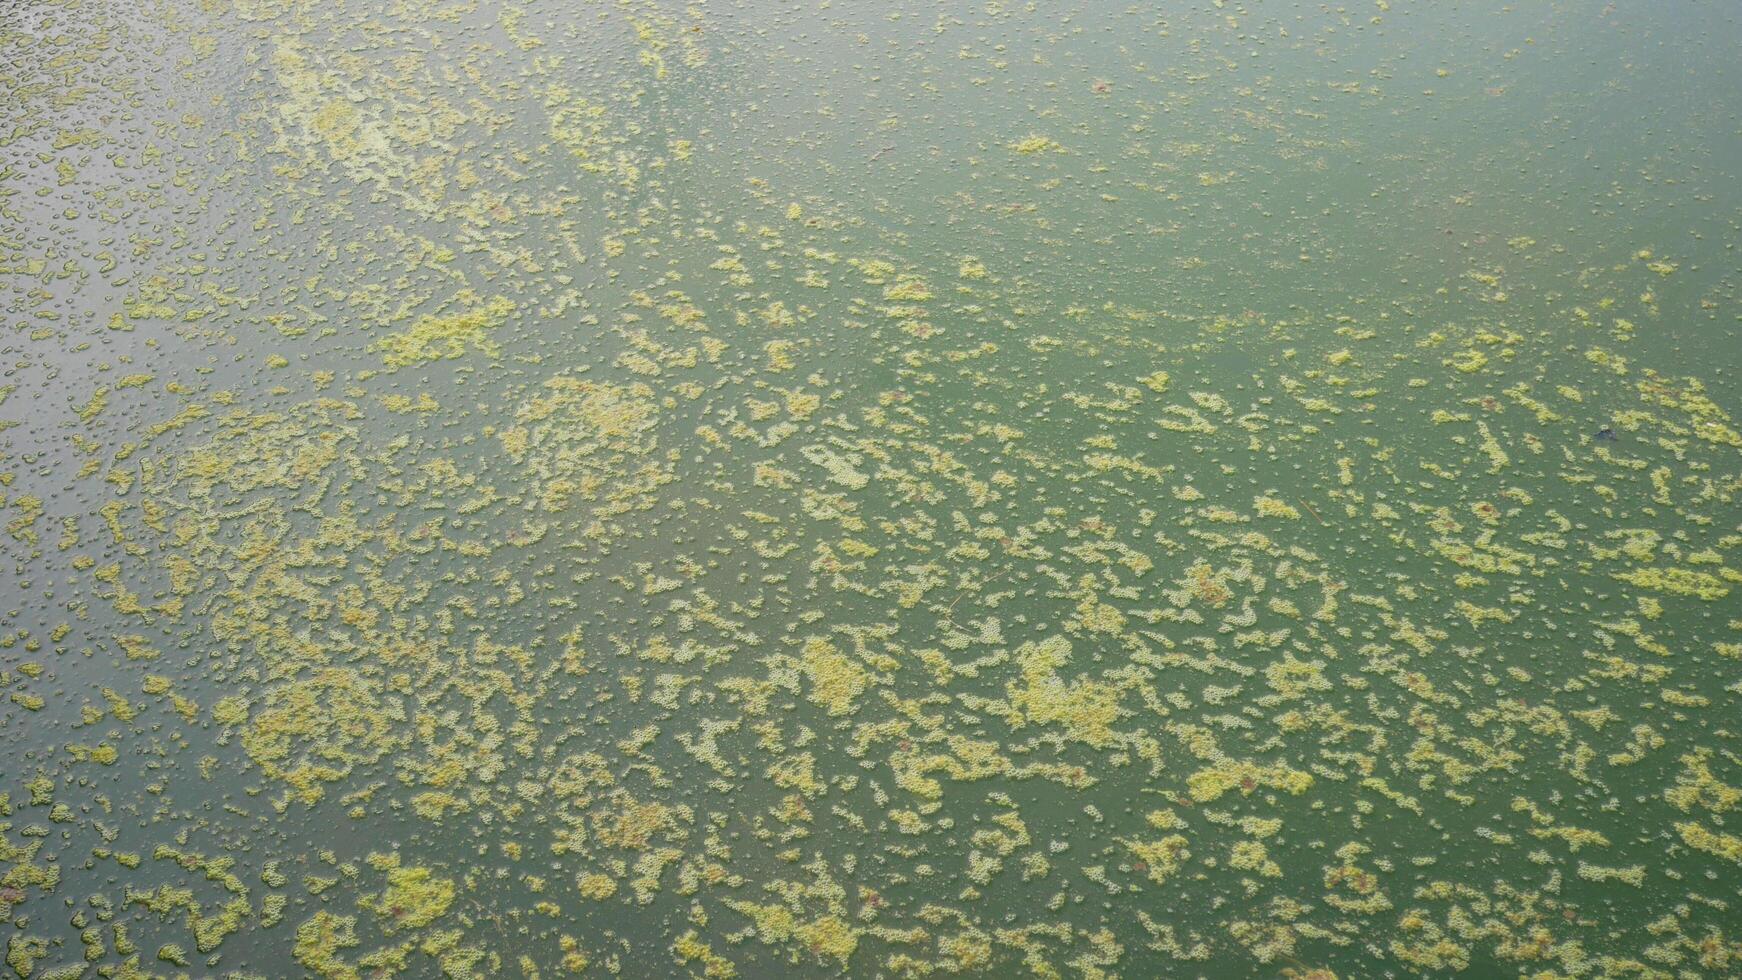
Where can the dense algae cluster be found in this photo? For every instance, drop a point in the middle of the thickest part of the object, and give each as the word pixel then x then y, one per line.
pixel 483 500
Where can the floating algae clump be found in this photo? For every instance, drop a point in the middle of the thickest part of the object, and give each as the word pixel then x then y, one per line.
pixel 836 680
pixel 589 448
pixel 1728 846
pixel 829 936
pixel 1086 709
pixel 597 886
pixel 1160 859
pixel 414 897
pixel 825 936
pixel 1273 507
pixel 319 942
pixel 1677 581
pixel 452 335
pixel 316 730
pixel 1035 143
pixel 1209 785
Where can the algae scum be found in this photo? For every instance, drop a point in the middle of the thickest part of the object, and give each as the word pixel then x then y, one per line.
pixel 915 489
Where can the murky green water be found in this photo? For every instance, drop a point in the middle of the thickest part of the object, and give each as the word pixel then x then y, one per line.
pixel 892 490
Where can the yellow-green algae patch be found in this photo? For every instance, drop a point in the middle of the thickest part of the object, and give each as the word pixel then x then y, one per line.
pixel 449 335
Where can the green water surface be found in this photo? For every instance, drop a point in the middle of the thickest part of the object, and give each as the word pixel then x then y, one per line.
pixel 902 489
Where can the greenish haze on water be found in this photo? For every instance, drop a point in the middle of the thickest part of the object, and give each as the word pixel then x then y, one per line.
pixel 901 489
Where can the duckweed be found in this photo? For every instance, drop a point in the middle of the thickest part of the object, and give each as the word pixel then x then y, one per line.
pixel 896 490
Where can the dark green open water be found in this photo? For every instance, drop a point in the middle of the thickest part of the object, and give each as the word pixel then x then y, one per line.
pixel 901 489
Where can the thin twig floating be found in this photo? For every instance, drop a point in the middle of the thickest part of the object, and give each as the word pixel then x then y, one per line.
pixel 1309 509
pixel 950 613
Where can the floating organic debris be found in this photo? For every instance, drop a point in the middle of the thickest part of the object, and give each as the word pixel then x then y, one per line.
pixel 879 490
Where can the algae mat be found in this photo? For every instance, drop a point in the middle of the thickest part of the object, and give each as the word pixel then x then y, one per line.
pixel 901 489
